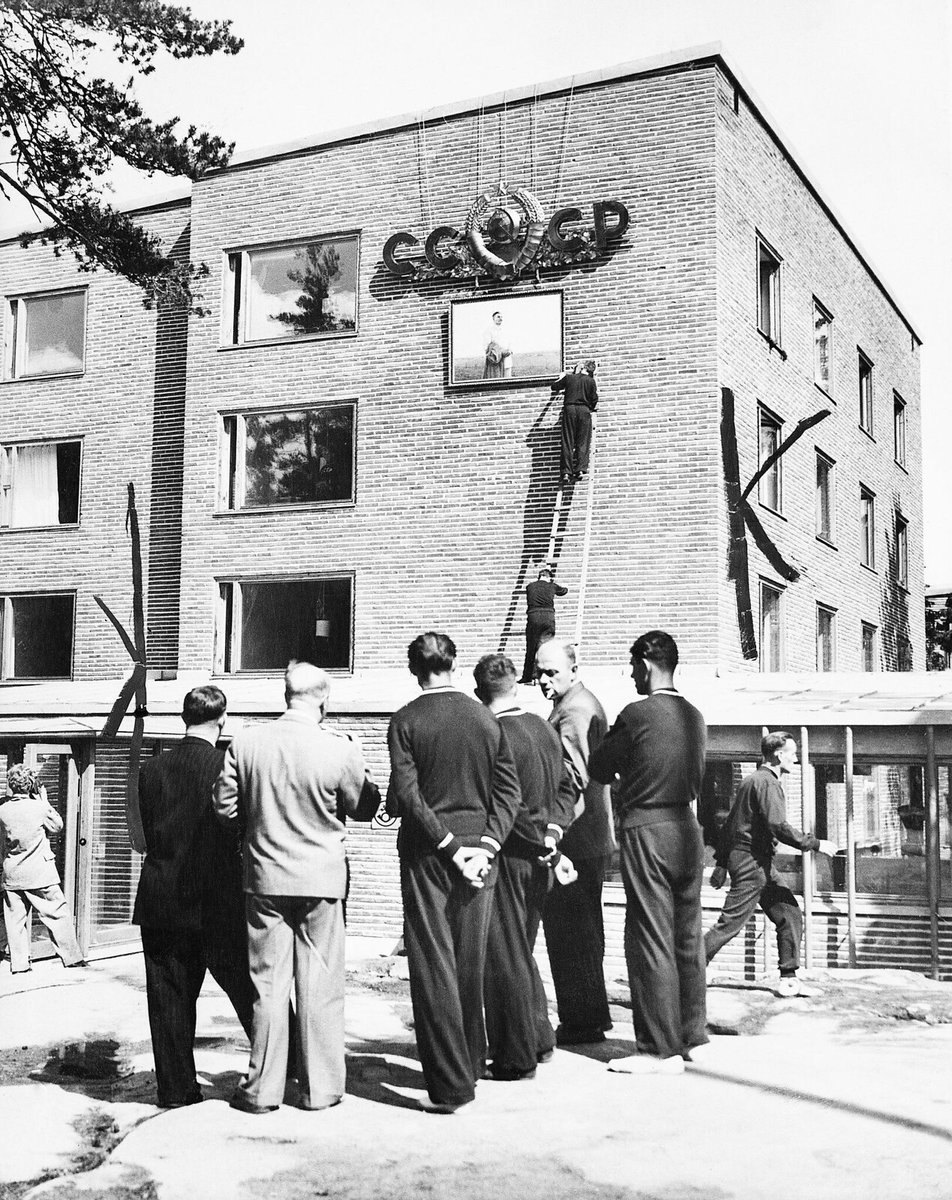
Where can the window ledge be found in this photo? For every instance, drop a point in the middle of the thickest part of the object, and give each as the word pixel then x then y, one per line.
pixel 773 511
pixel 258 344
pixel 15 681
pixel 868 432
pixel 772 344
pixel 867 567
pixel 820 388
pixel 902 466
pixel 4 529
pixel 40 378
pixel 270 509
pixel 826 542
pixel 275 673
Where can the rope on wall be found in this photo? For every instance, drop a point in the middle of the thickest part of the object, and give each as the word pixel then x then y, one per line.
pixel 586 543
pixel 565 130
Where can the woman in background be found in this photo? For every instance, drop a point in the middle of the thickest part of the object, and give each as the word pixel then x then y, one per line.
pixel 28 877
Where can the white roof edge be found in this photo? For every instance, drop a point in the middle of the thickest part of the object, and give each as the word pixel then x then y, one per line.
pixel 175 195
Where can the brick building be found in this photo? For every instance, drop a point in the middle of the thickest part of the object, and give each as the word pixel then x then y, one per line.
pixel 322 469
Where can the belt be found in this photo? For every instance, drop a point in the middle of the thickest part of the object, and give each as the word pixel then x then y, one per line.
pixel 656 814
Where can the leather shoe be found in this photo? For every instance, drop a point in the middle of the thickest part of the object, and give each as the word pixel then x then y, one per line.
pixel 503 1074
pixel 194 1098
pixel 442 1108
pixel 567 1035
pixel 240 1101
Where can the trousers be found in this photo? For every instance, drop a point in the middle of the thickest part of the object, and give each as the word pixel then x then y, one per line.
pixel 752 884
pixel 540 625
pixel 176 961
pixel 662 868
pixel 576 438
pixel 575 941
pixel 296 942
pixel 445 926
pixel 517 1018
pixel 50 906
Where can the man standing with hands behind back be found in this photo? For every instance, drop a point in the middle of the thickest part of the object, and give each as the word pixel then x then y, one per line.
pixel 453 782
pixel 572 918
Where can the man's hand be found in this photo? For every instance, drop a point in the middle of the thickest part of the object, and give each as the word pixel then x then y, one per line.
pixel 545 860
pixel 718 877
pixel 826 847
pixel 565 871
pixel 473 863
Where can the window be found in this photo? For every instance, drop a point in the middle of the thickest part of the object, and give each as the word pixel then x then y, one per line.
pixel 768 292
pixel 899 429
pixel 867 528
pixel 825 638
pixel 769 489
pixel 870 657
pixel 264 623
pixel 295 456
pixel 824 497
pixel 865 394
pixel 36 637
pixel 902 551
pixel 46 335
pixel 771 656
pixel 308 289
pixel 39 484
pixel 822 348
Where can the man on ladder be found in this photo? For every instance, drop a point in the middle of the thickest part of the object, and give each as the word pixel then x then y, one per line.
pixel 581 400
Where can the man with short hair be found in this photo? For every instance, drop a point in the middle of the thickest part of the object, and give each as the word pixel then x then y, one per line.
pixel 581 400
pixel 517 1019
pixel 287 781
pixel 656 751
pixel 188 904
pixel 757 821
pixel 573 921
pixel 540 618
pixel 453 783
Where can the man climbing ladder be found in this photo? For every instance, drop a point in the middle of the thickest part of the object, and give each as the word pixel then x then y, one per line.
pixel 581 400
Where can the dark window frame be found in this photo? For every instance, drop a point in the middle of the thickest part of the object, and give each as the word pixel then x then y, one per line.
pixel 828 537
pixel 899 430
pixel 869 541
pixel 827 387
pixel 769 293
pixel 865 386
pixel 8 457
pixel 8 631
pixel 765 419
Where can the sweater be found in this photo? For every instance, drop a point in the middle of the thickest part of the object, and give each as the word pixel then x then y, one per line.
pixel 548 794
pixel 452 776
pixel 656 749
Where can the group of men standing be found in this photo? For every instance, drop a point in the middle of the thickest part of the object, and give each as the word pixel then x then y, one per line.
pixel 506 823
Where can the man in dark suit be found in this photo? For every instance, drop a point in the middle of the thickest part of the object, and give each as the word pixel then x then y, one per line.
pixel 581 400
pixel 189 904
pixel 540 618
pixel 453 782
pixel 517 1016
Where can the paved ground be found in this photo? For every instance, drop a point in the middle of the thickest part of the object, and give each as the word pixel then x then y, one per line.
pixel 843 1095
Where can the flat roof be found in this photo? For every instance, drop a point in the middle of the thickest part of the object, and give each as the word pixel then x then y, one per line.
pixel 713 53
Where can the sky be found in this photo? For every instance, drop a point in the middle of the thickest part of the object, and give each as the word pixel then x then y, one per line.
pixel 858 89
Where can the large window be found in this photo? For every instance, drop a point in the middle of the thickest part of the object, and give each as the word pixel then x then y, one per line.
pixel 36 636
pixel 39 484
pixel 867 528
pixel 825 505
pixel 264 623
pixel 46 335
pixel 822 348
pixel 768 292
pixel 869 654
pixel 899 429
pixel 825 638
pixel 865 393
pixel 770 487
pixel 308 289
pixel 771 648
pixel 902 551
pixel 295 456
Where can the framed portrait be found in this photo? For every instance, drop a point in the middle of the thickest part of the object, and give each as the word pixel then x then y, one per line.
pixel 512 339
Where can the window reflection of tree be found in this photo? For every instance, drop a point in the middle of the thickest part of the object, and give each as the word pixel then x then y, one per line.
pixel 321 266
pixel 299 456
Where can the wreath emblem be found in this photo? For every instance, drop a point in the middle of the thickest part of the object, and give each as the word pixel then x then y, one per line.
pixel 504 229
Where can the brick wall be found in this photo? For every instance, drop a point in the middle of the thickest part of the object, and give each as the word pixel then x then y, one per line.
pixel 119 407
pixel 455 486
pixel 759 192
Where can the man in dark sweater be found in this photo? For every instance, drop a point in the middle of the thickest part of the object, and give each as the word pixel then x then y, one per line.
pixel 755 824
pixel 517 1019
pixel 189 902
pixel 656 750
pixel 540 618
pixel 573 922
pixel 581 400
pixel 453 782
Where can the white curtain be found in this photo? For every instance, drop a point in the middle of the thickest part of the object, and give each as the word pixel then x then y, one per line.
pixel 35 490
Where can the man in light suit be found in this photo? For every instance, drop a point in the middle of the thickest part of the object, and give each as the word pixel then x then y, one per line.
pixel 286 781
